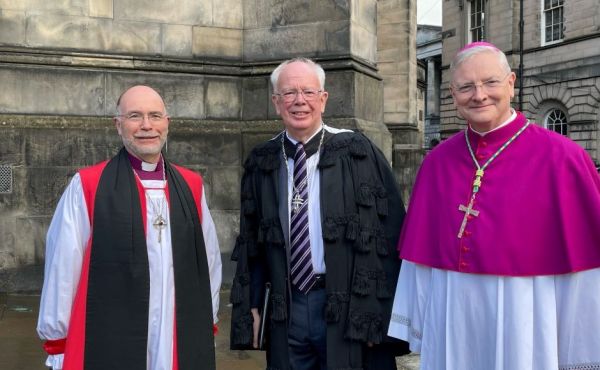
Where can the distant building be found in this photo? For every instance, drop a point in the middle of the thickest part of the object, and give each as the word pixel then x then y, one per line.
pixel 429 55
pixel 560 64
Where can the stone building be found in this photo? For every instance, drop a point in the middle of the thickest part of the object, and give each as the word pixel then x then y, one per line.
pixel 560 60
pixel 63 64
pixel 429 54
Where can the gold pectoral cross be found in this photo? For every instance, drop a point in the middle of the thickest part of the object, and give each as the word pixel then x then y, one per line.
pixel 468 210
pixel 159 223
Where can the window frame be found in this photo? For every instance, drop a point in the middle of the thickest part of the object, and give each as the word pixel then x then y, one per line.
pixel 543 24
pixel 482 26
pixel 552 125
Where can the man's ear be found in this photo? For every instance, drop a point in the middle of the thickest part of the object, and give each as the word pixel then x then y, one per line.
pixel 324 96
pixel 117 124
pixel 274 100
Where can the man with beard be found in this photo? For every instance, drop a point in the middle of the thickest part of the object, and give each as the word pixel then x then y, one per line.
pixel 132 258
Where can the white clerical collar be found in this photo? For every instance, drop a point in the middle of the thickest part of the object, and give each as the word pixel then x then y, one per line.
pixel 509 120
pixel 294 141
pixel 149 167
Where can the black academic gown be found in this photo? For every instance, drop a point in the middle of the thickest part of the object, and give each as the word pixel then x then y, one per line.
pixel 361 213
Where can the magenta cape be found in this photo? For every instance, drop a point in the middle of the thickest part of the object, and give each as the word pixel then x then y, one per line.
pixel 539 206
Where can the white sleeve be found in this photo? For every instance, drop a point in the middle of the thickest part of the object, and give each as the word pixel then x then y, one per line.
pixel 213 255
pixel 67 237
pixel 55 362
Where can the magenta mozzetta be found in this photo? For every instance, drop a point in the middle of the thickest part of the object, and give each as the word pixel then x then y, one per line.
pixel 518 231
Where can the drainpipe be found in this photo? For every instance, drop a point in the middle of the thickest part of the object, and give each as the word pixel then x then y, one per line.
pixel 521 26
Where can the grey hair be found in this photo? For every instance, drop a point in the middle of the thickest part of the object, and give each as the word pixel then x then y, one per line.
pixel 317 68
pixel 466 54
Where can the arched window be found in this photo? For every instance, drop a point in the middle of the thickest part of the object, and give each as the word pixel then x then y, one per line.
pixel 556 120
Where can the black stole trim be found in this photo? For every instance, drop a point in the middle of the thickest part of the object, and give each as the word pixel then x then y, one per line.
pixel 119 283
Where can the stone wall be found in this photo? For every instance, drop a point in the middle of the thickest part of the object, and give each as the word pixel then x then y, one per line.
pixel 174 28
pixel 64 63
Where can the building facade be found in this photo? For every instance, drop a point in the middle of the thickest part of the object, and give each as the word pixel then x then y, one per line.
pixel 64 63
pixel 556 55
pixel 429 54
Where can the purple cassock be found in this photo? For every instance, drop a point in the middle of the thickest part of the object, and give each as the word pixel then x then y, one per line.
pixel 538 206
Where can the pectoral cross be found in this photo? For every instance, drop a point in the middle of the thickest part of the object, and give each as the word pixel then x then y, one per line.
pixel 297 202
pixel 468 210
pixel 159 223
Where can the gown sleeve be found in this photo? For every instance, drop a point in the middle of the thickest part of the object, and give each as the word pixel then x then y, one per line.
pixel 213 255
pixel 67 237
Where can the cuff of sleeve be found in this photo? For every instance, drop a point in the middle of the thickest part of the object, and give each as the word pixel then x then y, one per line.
pixel 55 361
pixel 55 346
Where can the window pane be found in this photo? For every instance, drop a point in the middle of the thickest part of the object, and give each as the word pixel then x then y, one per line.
pixel 555 32
pixel 553 20
pixel 560 31
pixel 559 15
pixel 557 121
pixel 477 20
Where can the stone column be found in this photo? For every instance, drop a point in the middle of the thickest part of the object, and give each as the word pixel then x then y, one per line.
pixel 397 62
pixel 433 87
pixel 432 114
pixel 339 35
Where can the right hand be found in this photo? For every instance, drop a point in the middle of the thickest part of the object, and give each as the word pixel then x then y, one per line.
pixel 255 326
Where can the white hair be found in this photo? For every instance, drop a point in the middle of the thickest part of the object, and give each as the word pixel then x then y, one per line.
pixel 317 68
pixel 468 53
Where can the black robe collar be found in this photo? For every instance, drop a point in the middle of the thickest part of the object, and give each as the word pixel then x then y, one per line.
pixel 310 147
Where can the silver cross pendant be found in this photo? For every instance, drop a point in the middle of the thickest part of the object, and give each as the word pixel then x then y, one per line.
pixel 159 223
pixel 297 202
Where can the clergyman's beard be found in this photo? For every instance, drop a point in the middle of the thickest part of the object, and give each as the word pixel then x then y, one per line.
pixel 143 151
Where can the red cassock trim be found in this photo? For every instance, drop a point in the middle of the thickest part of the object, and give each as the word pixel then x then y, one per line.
pixel 74 349
pixel 55 347
pixel 175 358
pixel 194 181
pixel 75 346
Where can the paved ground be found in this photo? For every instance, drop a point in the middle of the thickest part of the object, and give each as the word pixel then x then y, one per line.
pixel 20 348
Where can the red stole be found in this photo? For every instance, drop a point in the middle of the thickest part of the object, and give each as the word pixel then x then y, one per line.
pixel 74 348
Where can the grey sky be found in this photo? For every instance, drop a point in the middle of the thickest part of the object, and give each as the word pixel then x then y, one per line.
pixel 429 12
